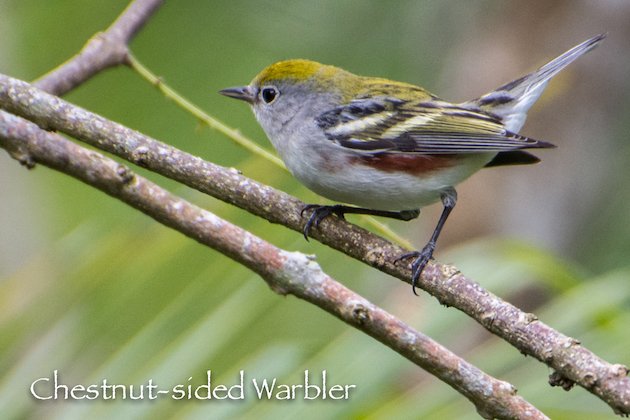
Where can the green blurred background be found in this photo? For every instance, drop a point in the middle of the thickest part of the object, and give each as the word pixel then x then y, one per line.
pixel 96 290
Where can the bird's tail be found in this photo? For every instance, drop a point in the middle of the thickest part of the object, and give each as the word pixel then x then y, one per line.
pixel 511 101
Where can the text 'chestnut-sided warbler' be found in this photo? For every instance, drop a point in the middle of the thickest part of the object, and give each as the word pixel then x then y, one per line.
pixel 390 147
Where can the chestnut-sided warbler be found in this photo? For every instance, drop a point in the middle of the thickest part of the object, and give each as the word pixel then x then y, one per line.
pixel 390 147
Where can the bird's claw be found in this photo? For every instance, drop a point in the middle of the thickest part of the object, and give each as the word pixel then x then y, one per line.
pixel 419 263
pixel 319 214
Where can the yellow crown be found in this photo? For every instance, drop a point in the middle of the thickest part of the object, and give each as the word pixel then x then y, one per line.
pixel 329 78
pixel 297 70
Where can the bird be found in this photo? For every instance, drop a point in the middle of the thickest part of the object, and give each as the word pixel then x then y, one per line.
pixel 387 148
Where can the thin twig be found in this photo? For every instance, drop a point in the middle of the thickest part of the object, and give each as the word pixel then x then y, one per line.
pixel 447 284
pixel 232 133
pixel 105 49
pixel 285 272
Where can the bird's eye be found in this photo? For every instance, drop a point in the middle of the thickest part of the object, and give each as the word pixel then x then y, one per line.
pixel 269 94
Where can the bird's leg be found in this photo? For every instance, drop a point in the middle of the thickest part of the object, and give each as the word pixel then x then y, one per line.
pixel 449 198
pixel 321 212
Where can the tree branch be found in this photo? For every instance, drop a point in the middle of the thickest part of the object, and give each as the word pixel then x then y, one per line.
pixel 285 272
pixel 524 331
pixel 103 50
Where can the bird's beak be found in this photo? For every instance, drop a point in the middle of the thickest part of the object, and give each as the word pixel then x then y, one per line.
pixel 244 93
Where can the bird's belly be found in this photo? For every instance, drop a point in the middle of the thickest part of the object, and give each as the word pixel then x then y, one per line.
pixel 389 183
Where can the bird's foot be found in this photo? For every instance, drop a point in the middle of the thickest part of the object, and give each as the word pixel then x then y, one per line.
pixel 421 259
pixel 320 213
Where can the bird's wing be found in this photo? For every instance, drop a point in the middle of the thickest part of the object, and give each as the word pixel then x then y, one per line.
pixel 392 125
